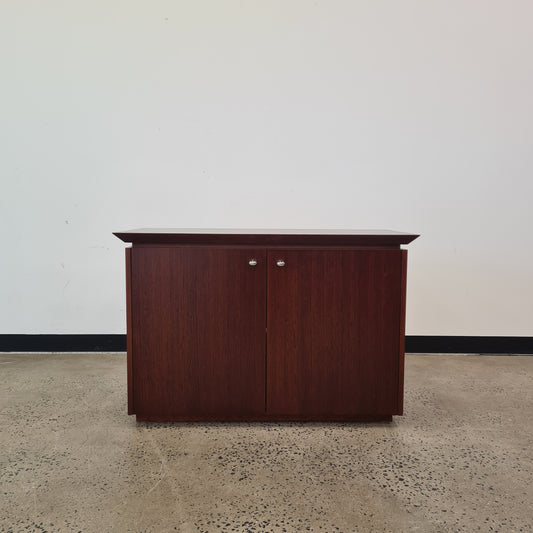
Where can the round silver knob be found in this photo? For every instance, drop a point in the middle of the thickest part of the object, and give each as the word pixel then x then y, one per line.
pixel 280 263
pixel 252 262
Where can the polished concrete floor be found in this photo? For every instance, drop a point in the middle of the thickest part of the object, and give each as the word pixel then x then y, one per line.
pixel 461 459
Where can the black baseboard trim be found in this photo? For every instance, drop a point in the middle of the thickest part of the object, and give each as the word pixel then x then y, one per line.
pixel 62 343
pixel 413 344
pixel 468 345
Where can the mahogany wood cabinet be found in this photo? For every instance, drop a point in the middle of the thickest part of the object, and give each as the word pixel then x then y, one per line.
pixel 265 324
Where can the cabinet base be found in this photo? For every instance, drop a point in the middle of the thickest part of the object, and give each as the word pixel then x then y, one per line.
pixel 267 418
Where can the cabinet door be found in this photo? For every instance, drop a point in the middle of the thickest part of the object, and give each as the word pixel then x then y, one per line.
pixel 333 332
pixel 198 317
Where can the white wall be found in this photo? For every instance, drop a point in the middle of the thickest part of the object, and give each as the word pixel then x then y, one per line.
pixel 412 115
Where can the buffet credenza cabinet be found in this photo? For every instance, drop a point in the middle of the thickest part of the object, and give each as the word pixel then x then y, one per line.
pixel 265 324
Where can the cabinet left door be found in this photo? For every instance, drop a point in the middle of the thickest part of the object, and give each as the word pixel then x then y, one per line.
pixel 198 328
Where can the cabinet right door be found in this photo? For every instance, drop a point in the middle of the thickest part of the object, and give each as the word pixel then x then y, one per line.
pixel 333 332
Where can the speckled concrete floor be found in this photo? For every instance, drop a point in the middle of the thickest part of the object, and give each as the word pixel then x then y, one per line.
pixel 461 459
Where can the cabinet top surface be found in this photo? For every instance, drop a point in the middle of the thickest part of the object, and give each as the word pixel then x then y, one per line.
pixel 257 237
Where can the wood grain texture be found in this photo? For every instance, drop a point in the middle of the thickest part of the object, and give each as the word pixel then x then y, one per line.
pixel 129 346
pixel 333 324
pixel 401 347
pixel 198 332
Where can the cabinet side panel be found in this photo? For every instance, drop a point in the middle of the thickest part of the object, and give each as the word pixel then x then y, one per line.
pixel 129 339
pixel 199 330
pixel 401 347
pixel 333 326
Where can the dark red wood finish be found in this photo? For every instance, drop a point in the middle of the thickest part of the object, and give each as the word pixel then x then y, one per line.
pixel 198 332
pixel 198 313
pixel 265 418
pixel 333 324
pixel 266 237
pixel 401 347
pixel 129 347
